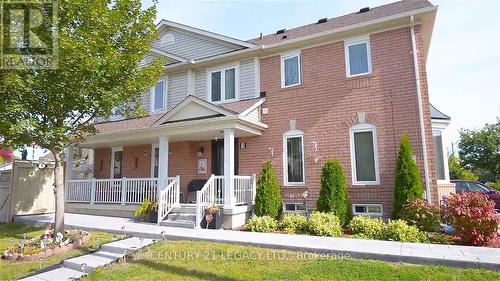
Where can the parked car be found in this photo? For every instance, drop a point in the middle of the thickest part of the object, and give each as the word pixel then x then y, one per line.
pixel 474 186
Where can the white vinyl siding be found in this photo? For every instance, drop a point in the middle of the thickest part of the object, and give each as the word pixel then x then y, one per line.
pixel 293 158
pixel 364 155
pixel 177 88
pixel 290 70
pixel 248 77
pixel 358 57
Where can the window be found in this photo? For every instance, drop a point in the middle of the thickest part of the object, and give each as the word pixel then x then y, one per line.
pixel 460 186
pixel 116 162
pixel 372 210
pixel 290 70
pixel 475 187
pixel 364 156
pixel 358 58
pixel 439 154
pixel 155 160
pixel 294 208
pixel 223 85
pixel 293 159
pixel 158 96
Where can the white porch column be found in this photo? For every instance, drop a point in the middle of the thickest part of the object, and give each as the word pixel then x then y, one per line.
pixel 162 163
pixel 228 168
pixel 68 165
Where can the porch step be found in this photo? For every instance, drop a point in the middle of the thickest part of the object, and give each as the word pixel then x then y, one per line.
pixel 181 216
pixel 178 223
pixel 184 209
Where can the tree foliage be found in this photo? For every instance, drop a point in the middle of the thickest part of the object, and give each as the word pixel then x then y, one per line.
pixel 480 151
pixel 408 186
pixel 458 172
pixel 333 193
pixel 101 43
pixel 268 197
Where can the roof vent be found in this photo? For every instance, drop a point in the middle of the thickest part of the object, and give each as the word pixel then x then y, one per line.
pixel 364 10
pixel 323 20
pixel 281 31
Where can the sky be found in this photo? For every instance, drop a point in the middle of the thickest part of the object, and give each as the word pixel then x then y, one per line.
pixel 463 66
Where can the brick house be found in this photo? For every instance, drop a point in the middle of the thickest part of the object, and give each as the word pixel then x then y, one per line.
pixel 344 88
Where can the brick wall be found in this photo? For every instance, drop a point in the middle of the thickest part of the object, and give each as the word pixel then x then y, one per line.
pixel 102 163
pixel 325 105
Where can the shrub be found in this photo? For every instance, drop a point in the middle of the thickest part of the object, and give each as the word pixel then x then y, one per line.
pixel 408 186
pixel 262 224
pixel 268 198
pixel 495 186
pixel 472 215
pixel 365 227
pixel 399 230
pixel 422 215
pixel 324 224
pixel 294 223
pixel 333 193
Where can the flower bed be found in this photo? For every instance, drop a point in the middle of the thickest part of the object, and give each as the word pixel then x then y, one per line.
pixel 46 245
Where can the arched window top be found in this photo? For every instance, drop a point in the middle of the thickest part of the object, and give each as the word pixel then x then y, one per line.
pixel 363 126
pixel 293 133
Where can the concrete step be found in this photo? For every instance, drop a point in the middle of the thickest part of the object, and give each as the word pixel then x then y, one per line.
pixel 184 209
pixel 93 261
pixel 130 245
pixel 179 223
pixel 181 216
pixel 61 273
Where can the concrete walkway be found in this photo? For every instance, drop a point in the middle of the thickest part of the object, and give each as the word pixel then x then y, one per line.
pixel 418 253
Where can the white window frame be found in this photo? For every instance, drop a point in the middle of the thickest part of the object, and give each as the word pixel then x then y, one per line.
pixel 381 214
pixel 153 147
pixel 288 56
pixel 356 41
pixel 286 136
pixel 112 166
pixel 445 155
pixel 223 83
pixel 359 128
pixel 165 96
pixel 294 211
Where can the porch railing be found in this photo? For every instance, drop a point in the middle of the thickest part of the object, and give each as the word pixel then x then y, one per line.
pixel 244 189
pixel 211 194
pixel 113 191
pixel 169 198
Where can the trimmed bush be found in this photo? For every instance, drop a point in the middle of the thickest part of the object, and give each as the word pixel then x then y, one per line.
pixel 472 215
pixel 268 197
pixel 365 227
pixel 324 224
pixel 333 193
pixel 294 223
pixel 424 216
pixel 408 186
pixel 262 224
pixel 399 230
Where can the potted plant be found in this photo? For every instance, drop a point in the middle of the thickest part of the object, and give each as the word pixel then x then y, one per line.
pixel 148 211
pixel 212 218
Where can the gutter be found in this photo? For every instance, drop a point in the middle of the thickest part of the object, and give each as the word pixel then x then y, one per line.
pixel 420 110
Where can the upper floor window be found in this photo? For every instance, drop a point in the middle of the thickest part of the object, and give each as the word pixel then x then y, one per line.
pixel 440 157
pixel 158 97
pixel 293 157
pixel 223 84
pixel 364 156
pixel 358 57
pixel 290 70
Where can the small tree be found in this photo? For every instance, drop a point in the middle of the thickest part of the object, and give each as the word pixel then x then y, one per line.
pixel 408 185
pixel 268 198
pixel 333 193
pixel 458 172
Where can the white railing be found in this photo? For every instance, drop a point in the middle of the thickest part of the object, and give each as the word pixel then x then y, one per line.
pixel 208 195
pixel 113 191
pixel 219 190
pixel 244 189
pixel 169 198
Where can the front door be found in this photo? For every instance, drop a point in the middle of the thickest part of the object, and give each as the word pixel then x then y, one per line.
pixel 218 157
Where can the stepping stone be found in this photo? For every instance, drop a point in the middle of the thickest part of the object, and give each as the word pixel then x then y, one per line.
pixel 93 261
pixel 61 273
pixel 130 245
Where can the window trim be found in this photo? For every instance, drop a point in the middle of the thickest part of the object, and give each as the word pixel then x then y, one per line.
pixel 356 41
pixel 445 157
pixel 283 57
pixel 359 128
pixel 165 96
pixel 302 212
pixel 112 165
pixel 153 147
pixel 223 83
pixel 381 214
pixel 286 136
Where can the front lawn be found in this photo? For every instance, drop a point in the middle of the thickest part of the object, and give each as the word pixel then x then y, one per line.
pixel 15 270
pixel 187 260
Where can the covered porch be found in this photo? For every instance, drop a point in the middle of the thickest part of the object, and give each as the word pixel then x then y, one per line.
pixel 186 157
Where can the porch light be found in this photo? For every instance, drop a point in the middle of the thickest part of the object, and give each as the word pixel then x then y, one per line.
pixel 271 151
pixel 200 152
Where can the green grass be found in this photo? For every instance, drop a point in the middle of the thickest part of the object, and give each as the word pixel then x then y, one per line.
pixel 15 270
pixel 212 261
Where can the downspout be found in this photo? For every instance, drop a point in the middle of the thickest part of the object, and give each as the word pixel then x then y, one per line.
pixel 420 109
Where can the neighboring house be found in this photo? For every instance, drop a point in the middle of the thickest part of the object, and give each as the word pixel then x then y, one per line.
pixel 83 163
pixel 344 88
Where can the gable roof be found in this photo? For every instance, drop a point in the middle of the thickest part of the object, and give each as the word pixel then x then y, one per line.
pixel 343 21
pixel 436 114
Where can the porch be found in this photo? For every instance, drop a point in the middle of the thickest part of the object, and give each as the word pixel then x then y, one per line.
pixel 186 160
